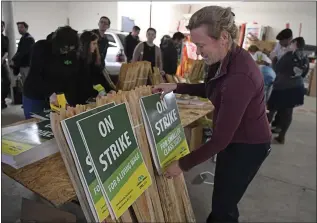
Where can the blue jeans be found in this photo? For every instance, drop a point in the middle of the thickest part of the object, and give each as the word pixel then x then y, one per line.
pixel 32 105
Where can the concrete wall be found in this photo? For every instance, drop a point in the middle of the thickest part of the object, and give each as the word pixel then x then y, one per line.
pixel 165 16
pixel 42 17
pixel 45 17
pixel 275 15
pixel 85 15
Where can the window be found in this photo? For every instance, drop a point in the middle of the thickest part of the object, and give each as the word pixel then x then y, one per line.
pixel 112 42
pixel 122 38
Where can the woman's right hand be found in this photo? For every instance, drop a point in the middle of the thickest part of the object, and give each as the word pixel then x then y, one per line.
pixel 164 88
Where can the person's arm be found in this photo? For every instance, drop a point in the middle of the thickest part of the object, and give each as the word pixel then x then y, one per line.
pixel 159 59
pixel 191 89
pixel 25 48
pixel 5 49
pixel 99 78
pixel 137 52
pixel 234 101
pixel 274 52
pixel 266 60
pixel 126 45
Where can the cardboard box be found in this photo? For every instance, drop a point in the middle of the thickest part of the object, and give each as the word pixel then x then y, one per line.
pixel 194 135
pixel 33 211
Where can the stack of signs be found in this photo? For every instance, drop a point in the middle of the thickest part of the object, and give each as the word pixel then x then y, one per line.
pixel 84 165
pixel 27 144
pixel 105 141
pixel 164 129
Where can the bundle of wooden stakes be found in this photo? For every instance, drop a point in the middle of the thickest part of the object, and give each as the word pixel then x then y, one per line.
pixel 166 200
pixel 137 74
pixel 196 73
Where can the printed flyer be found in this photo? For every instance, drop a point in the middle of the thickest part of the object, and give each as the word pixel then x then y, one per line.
pixel 164 129
pixel 84 165
pixel 110 141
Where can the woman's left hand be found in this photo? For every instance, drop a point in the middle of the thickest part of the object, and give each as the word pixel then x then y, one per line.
pixel 173 170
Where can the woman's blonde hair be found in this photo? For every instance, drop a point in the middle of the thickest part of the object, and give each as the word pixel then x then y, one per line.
pixel 216 19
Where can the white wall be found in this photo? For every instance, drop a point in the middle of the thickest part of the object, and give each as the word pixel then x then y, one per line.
pixel 42 17
pixel 139 12
pixel 86 15
pixel 165 16
pixel 45 17
pixel 275 15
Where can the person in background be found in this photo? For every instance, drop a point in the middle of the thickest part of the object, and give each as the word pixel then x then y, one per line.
pixel 21 60
pixel 284 37
pixel 90 81
pixel 148 51
pixel 241 134
pixel 130 42
pixel 169 49
pixel 5 80
pixel 288 89
pixel 103 42
pixel 53 69
pixel 264 63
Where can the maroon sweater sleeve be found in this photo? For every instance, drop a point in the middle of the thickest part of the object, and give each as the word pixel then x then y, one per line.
pixel 236 93
pixel 191 89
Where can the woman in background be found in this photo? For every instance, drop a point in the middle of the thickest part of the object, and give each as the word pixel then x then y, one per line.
pixel 288 88
pixel 90 82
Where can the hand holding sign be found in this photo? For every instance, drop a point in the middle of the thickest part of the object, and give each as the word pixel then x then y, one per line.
pixel 173 170
pixel 164 89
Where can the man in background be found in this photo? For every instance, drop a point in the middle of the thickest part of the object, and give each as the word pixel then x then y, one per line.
pixel 130 42
pixel 284 37
pixel 103 42
pixel 148 51
pixel 21 60
pixel 5 81
pixel 170 49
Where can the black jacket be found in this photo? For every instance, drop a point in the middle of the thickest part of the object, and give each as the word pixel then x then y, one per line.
pixel 49 73
pixel 130 43
pixel 291 70
pixel 88 76
pixel 169 57
pixel 23 54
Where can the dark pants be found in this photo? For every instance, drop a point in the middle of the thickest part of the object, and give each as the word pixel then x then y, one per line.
pixel 275 122
pixel 31 105
pixel 236 167
pixel 5 83
pixel 285 117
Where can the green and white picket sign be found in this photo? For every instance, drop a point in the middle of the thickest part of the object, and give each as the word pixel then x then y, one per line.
pixel 164 129
pixel 84 165
pixel 110 141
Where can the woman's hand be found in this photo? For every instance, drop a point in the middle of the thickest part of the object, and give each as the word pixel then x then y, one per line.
pixel 53 99
pixel 164 88
pixel 173 170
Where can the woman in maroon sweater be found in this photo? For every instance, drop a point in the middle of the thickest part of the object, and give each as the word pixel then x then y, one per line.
pixel 241 134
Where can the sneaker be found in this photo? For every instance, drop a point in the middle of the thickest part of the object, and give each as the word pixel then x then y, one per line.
pixel 276 130
pixel 279 140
